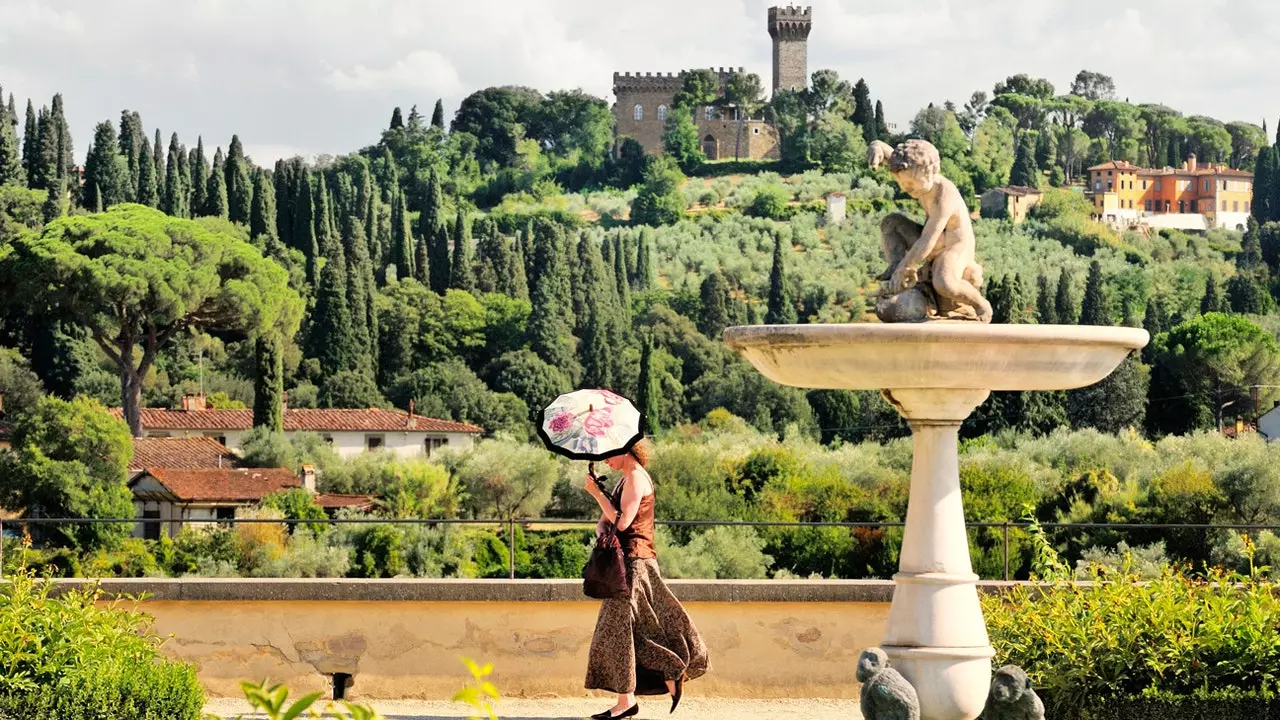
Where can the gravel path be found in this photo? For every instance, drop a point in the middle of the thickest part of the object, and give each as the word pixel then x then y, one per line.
pixel 576 709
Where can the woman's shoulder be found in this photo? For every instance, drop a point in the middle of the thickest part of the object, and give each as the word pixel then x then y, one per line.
pixel 642 482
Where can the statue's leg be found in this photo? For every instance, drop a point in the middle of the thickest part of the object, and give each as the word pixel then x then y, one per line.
pixel 897 234
pixel 949 280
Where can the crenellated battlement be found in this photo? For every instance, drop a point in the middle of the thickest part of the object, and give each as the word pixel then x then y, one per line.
pixel 649 81
pixel 790 23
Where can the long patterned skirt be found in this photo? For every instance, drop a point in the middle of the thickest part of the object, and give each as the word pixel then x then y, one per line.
pixel 643 641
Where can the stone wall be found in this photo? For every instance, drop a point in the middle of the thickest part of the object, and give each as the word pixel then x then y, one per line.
pixel 404 638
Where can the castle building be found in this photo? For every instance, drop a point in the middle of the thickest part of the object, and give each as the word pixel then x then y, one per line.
pixel 1193 197
pixel 645 99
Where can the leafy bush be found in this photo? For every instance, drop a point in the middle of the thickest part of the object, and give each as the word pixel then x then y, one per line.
pixel 274 703
pixel 770 203
pixel 1171 637
pixel 79 656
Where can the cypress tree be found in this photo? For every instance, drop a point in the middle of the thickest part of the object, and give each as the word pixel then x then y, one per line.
pixel 397 122
pixel 148 188
pixel 864 113
pixel 333 340
pixel 1262 186
pixel 268 383
pixel 304 229
pixel 198 166
pixel 360 292
pixel 1245 296
pixel 216 193
pixel 644 275
pixel 462 276
pixel 31 145
pixel 239 183
pixel 432 230
pixel 1093 310
pixel 650 394
pixel 175 191
pixel 596 356
pixel 1249 260
pixel 549 333
pixel 401 237
pixel 437 115
pixel 1025 172
pixel 101 172
pixel 55 205
pixel 46 170
pixel 620 277
pixel 422 261
pixel 715 312
pixel 1046 314
pixel 184 175
pixel 882 127
pixel 373 233
pixel 1275 184
pixel 285 181
pixel 262 216
pixel 1063 305
pixel 1211 302
pixel 1154 321
pixel 781 310
pixel 1001 302
pixel 490 252
pixel 524 249
pixel 64 155
pixel 158 167
pixel 11 171
pixel 131 136
pixel 322 217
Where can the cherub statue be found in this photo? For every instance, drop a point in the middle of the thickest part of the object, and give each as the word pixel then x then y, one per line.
pixel 931 270
pixel 886 695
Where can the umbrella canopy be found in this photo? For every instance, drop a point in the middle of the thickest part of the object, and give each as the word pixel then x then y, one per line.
pixel 590 425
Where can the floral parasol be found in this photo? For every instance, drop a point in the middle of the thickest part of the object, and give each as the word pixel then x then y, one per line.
pixel 590 425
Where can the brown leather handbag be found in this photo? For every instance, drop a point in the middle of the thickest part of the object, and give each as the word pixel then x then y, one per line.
pixel 605 575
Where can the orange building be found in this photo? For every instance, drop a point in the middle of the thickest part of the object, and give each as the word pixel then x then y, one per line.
pixel 1124 193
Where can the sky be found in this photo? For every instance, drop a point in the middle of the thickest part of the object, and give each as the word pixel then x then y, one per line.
pixel 322 76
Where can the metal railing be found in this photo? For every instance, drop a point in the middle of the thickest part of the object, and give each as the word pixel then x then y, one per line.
pixel 510 525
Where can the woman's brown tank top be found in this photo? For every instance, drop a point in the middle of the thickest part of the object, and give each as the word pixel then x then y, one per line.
pixel 637 540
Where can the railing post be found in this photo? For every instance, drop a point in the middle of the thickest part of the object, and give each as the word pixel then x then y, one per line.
pixel 511 548
pixel 1006 551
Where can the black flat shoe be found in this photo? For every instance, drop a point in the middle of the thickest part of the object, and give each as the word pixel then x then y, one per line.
pixel 675 697
pixel 608 714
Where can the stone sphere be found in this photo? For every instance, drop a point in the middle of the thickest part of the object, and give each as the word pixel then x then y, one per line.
pixel 908 306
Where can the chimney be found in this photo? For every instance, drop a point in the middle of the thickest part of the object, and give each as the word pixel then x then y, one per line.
pixel 1191 162
pixel 194 403
pixel 411 421
pixel 309 477
pixel 284 400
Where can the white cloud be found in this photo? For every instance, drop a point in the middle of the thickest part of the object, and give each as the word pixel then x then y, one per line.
pixel 419 70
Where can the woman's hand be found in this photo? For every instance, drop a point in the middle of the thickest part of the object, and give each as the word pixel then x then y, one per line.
pixel 591 486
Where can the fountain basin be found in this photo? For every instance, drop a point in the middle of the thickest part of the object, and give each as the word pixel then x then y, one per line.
pixel 938 355
pixel 935 374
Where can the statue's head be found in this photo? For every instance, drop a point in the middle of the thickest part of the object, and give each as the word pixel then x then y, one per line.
pixel 1009 683
pixel 870 662
pixel 916 165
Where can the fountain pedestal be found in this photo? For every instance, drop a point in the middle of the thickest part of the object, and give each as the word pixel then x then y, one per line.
pixel 936 374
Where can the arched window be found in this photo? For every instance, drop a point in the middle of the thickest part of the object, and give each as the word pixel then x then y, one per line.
pixel 711 113
pixel 662 113
pixel 639 112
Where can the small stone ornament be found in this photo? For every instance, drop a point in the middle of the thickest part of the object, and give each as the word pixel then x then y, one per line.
pixel 1011 697
pixel 886 695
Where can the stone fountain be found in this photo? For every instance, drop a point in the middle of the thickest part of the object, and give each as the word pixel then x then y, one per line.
pixel 935 357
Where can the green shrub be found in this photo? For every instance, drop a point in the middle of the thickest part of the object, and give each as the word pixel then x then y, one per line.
pixel 1172 636
pixel 770 203
pixel 80 657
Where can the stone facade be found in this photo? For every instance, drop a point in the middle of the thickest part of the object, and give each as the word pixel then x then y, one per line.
pixel 644 99
pixel 789 27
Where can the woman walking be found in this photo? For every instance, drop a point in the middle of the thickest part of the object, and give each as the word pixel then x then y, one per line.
pixel 644 644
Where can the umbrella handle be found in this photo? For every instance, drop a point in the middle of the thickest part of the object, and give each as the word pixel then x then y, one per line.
pixel 591 470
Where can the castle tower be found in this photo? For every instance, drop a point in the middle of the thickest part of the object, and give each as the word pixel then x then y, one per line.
pixel 789 27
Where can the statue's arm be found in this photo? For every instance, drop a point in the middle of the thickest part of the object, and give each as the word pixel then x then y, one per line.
pixel 921 249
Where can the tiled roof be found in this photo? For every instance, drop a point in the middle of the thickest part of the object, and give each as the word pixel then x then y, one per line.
pixel 226 485
pixel 297 419
pixel 195 452
pixel 333 502
pixel 1115 165
pixel 1018 190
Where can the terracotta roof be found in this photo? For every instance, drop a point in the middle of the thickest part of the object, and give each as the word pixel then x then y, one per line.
pixel 226 485
pixel 1018 190
pixel 195 452
pixel 368 420
pixel 334 502
pixel 1115 165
